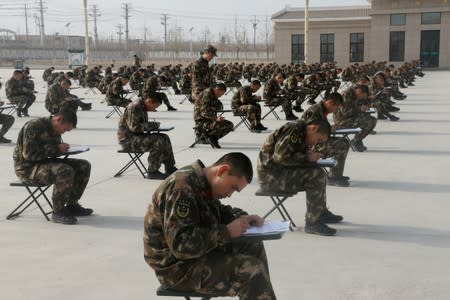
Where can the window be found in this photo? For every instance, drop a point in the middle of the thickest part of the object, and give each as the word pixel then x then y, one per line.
pixel 357 47
pixel 327 47
pixel 397 46
pixel 298 48
pixel 398 19
pixel 431 18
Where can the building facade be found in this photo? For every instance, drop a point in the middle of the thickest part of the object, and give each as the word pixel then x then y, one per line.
pixel 383 30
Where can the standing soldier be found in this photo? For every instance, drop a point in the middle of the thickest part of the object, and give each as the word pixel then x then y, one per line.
pixel 202 77
pixel 36 162
pixel 18 94
pixel 245 103
pixel 208 124
pixel 189 237
pixel 135 134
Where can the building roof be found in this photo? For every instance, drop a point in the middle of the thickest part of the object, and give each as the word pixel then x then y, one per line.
pixel 325 13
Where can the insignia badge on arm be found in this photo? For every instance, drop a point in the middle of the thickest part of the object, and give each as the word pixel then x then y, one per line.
pixel 183 207
pixel 294 139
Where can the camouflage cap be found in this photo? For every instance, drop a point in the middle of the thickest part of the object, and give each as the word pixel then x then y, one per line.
pixel 211 49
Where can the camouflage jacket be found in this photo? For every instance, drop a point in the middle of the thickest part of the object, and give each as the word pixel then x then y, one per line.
pixel 206 107
pixel 134 121
pixel 92 76
pixel 14 88
pixel 46 73
pixel 183 224
pixel 54 98
pixel 317 111
pixel 285 147
pixel 243 96
pixel 35 144
pixel 350 108
pixel 115 89
pixel 136 81
pixel 151 85
pixel 201 77
pixel 271 89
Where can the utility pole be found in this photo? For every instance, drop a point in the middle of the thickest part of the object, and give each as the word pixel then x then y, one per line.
pixel 255 24
pixel 126 15
pixel 41 23
pixel 86 33
pixel 120 33
pixel 26 20
pixel 164 19
pixel 306 30
pixel 95 13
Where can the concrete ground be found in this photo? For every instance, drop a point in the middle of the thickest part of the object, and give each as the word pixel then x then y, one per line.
pixel 394 243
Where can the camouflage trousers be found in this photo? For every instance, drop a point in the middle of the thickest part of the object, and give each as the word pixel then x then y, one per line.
pixel 295 179
pixel 157 145
pixel 213 129
pixel 383 106
pixel 165 100
pixel 68 176
pixel 122 102
pixel 337 148
pixel 365 121
pixel 23 102
pixel 6 121
pixel 252 111
pixel 284 102
pixel 236 269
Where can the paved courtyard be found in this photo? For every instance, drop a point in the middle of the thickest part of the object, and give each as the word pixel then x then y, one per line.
pixel 394 243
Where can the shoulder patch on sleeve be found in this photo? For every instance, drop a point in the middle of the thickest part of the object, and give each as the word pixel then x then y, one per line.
pixel 183 208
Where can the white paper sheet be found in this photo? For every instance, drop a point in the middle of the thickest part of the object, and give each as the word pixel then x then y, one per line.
pixel 269 227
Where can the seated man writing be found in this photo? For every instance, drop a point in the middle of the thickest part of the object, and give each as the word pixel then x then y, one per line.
pixel 353 114
pixel 273 96
pixel 188 238
pixel 115 94
pixel 36 162
pixel 284 165
pixel 336 147
pixel 135 135
pixel 245 103
pixel 207 122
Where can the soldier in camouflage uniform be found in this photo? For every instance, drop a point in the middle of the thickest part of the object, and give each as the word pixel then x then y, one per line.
pixel 19 94
pixel 245 103
pixel 189 235
pixel 93 77
pixel 284 165
pixel 115 94
pixel 135 135
pixel 36 161
pixel 381 98
pixel 6 121
pixel 57 97
pixel 353 114
pixel 336 147
pixel 186 82
pixel 47 72
pixel 106 81
pixel 207 124
pixel 273 96
pixel 202 77
pixel 152 86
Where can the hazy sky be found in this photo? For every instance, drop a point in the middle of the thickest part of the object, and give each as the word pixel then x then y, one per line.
pixel 219 16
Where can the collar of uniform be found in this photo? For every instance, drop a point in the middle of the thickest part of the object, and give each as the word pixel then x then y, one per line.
pixel 198 167
pixel 324 109
pixel 48 123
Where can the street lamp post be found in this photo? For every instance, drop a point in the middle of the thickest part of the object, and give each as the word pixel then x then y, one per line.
pixel 86 34
pixel 306 31
pixel 190 45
